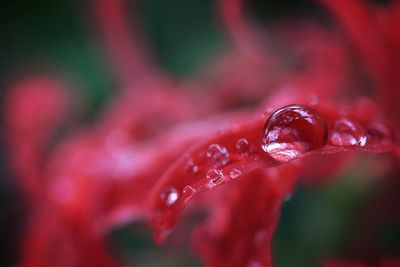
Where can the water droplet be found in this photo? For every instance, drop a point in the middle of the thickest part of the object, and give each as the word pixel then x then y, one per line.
pixel 348 133
pixel 243 146
pixel 170 196
pixel 191 166
pixel 217 156
pixel 188 190
pixel 379 133
pixel 235 173
pixel 292 131
pixel 215 177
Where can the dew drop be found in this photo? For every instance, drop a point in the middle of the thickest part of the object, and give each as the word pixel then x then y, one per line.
pixel 243 146
pixel 215 177
pixel 217 156
pixel 235 173
pixel 170 196
pixel 348 133
pixel 292 131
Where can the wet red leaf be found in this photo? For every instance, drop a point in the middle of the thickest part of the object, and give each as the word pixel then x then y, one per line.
pixel 162 144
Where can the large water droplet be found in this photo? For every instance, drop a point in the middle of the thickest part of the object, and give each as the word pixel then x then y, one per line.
pixel 243 146
pixel 292 131
pixel 170 196
pixel 348 133
pixel 217 156
pixel 215 177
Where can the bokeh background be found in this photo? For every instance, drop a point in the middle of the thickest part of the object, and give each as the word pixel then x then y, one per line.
pixel 61 38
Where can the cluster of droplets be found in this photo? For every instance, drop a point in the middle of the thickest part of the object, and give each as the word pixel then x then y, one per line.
pixel 288 133
pixel 348 133
pixel 218 156
pixel 292 131
pixel 296 129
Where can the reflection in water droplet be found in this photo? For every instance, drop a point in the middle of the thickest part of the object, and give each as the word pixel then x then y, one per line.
pixel 292 131
pixel 235 173
pixel 243 146
pixel 348 133
pixel 215 177
pixel 217 156
pixel 170 196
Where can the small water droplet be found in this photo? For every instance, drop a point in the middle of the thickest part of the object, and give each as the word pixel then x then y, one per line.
pixel 243 146
pixel 348 133
pixel 215 177
pixel 188 190
pixel 235 173
pixel 292 131
pixel 218 156
pixel 170 196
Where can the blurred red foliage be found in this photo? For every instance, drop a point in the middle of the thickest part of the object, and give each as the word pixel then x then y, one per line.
pixel 161 143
